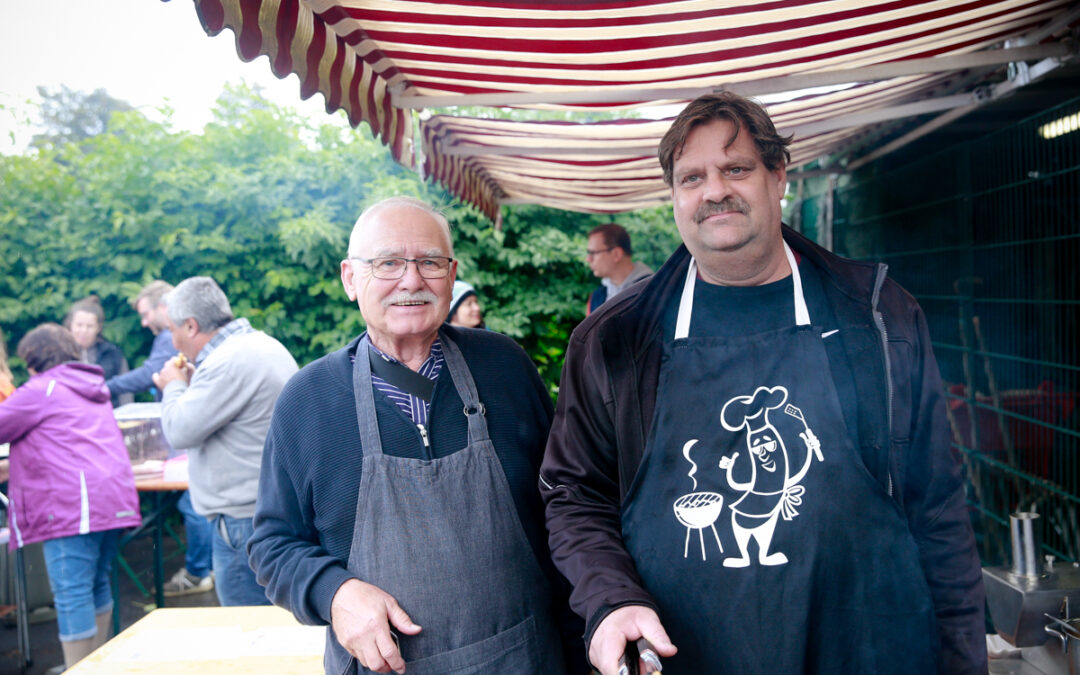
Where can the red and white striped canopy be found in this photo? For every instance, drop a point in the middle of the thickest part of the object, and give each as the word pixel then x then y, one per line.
pixel 608 167
pixel 381 60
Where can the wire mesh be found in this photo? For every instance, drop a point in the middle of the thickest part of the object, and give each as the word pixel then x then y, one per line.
pixel 986 236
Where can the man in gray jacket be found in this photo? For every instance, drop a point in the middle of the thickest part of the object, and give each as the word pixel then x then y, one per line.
pixel 195 576
pixel 218 404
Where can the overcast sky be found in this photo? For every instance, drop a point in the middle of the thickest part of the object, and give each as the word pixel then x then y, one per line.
pixel 145 52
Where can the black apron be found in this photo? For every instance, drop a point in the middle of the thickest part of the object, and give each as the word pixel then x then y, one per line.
pixel 443 537
pixel 755 524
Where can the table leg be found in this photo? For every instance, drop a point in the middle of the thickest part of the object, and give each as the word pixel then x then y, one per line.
pixel 116 593
pixel 22 612
pixel 159 564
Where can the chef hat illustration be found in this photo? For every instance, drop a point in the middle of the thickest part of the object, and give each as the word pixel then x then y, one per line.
pixel 749 411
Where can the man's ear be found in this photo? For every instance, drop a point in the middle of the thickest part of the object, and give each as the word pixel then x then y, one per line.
pixel 347 279
pixel 781 178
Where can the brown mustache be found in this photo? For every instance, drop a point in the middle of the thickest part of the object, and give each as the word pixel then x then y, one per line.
pixel 723 206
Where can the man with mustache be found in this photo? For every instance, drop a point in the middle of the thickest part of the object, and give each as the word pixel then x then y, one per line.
pixel 867 562
pixel 398 501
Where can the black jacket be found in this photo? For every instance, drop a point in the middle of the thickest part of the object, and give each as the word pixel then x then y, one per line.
pixel 606 402
pixel 112 361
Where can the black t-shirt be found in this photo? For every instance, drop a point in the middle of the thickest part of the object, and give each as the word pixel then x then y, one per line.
pixel 729 311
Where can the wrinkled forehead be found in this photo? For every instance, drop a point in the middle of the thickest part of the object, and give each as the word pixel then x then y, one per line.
pixel 389 229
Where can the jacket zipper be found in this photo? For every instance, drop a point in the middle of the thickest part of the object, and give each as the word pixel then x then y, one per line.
pixel 423 435
pixel 879 320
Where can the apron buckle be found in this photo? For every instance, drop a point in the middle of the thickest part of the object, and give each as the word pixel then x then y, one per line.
pixel 473 410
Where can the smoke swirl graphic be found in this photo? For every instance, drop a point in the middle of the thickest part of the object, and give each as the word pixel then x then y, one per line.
pixel 693 464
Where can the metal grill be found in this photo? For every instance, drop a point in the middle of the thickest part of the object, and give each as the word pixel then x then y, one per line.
pixel 986 235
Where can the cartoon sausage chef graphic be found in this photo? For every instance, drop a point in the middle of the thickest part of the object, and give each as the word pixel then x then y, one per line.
pixel 771 490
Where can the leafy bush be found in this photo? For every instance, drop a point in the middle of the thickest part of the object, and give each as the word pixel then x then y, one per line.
pixel 263 202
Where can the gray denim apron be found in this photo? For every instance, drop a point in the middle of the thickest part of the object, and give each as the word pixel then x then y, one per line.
pixel 443 537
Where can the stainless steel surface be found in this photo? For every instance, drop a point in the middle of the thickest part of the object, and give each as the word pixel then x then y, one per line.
pixel 1025 544
pixel 1068 633
pixel 1018 604
pixel 1045 660
pixel 1013 667
pixel 1048 659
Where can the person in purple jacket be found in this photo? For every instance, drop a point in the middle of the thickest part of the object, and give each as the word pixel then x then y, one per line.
pixel 71 484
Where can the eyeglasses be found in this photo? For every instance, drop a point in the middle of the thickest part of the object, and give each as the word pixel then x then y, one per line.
pixel 434 267
pixel 589 254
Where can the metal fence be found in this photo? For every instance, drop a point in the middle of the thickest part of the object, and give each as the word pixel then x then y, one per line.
pixel 986 235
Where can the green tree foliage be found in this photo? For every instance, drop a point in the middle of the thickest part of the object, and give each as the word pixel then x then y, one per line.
pixel 263 202
pixel 73 116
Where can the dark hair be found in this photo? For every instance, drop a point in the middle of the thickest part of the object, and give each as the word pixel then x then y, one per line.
pixel 47 346
pixel 91 304
pixel 615 236
pixel 742 112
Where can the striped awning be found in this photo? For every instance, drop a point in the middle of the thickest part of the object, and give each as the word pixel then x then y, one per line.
pixel 608 167
pixel 382 60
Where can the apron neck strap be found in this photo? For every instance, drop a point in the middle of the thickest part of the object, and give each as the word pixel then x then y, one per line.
pixel 686 301
pixel 364 396
pixel 802 315
pixel 466 388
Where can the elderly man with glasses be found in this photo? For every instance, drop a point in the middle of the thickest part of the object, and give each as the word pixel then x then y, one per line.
pixel 398 500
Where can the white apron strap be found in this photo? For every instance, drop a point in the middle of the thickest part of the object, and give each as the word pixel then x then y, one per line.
pixel 686 302
pixel 802 316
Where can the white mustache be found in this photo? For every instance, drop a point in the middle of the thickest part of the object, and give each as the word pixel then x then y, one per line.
pixel 405 296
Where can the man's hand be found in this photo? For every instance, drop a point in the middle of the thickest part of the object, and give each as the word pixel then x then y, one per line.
pixel 361 615
pixel 624 625
pixel 5 470
pixel 172 371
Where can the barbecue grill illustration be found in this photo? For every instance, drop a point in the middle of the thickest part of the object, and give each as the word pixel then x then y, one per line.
pixel 698 510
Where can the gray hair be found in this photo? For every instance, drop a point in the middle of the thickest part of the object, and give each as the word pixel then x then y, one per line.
pixel 199 298
pixel 369 214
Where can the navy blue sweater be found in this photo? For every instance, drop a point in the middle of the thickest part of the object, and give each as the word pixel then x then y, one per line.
pixel 306 507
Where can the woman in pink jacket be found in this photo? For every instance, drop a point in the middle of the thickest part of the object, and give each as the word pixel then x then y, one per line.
pixel 71 484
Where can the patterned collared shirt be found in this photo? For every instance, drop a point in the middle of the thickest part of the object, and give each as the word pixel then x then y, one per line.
pixel 415 407
pixel 234 327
